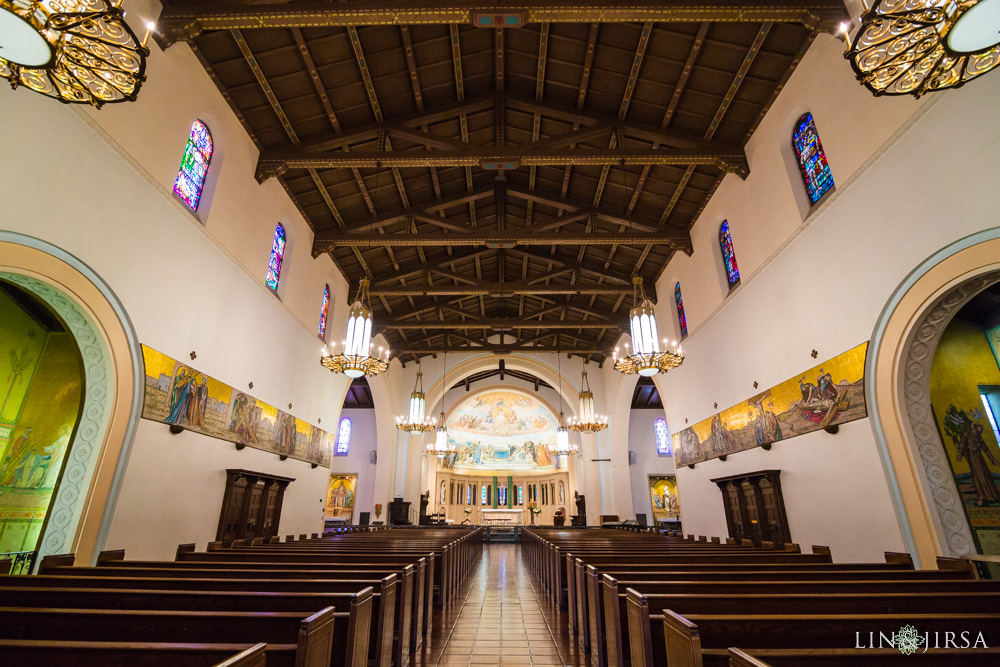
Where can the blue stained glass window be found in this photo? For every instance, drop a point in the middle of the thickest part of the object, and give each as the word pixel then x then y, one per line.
pixel 343 437
pixel 190 179
pixel 680 310
pixel 502 495
pixel 324 311
pixel 468 494
pixel 812 159
pixel 483 495
pixel 729 255
pixel 662 437
pixel 277 254
pixel 520 494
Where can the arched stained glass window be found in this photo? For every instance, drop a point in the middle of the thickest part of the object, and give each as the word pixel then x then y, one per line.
pixel 324 311
pixel 482 500
pixel 729 255
pixel 520 494
pixel 277 254
pixel 190 179
pixel 662 437
pixel 680 310
pixel 812 160
pixel 343 437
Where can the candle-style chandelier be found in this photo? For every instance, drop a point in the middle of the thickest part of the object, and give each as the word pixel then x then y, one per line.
pixel 415 421
pixel 588 421
pixel 646 359
pixel 77 51
pixel 912 47
pixel 356 359
pixel 563 446
pixel 441 446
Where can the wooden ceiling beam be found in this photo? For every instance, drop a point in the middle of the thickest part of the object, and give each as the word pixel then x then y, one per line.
pixel 504 239
pixel 502 324
pixel 497 289
pixel 183 21
pixel 500 350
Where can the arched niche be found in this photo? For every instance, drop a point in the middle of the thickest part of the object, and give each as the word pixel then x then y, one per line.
pixel 80 514
pixel 897 387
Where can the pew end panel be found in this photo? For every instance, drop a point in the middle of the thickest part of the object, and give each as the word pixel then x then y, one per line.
pixel 54 561
pixel 822 550
pixel 681 640
pixel 115 555
pixel 252 657
pixel 359 629
pixel 639 639
pixel 315 645
pixel 958 565
pixel 612 621
pixel 898 558
pixel 738 658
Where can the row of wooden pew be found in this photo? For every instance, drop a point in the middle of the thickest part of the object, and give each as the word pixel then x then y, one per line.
pixel 350 599
pixel 645 599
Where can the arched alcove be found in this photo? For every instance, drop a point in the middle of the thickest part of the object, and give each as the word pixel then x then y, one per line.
pixel 897 385
pixel 81 511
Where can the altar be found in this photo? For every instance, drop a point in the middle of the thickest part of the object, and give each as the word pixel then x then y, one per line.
pixel 501 516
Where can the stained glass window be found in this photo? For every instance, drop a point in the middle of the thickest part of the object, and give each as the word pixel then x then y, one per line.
pixel 812 160
pixel 324 311
pixel 662 437
pixel 520 494
pixel 190 179
pixel 277 254
pixel 502 495
pixel 468 494
pixel 680 310
pixel 343 437
pixel 483 496
pixel 729 255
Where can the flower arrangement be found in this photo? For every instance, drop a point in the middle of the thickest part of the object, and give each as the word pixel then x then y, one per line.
pixel 533 507
pixel 378 510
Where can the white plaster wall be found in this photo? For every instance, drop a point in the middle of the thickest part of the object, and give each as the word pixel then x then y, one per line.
pixel 642 441
pixel 911 177
pixel 358 460
pixel 99 185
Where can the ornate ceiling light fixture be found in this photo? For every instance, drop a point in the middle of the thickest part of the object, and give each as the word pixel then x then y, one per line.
pixel 77 51
pixel 416 422
pixel 589 421
pixel 563 446
pixel 646 358
pixel 441 446
pixel 356 359
pixel 912 47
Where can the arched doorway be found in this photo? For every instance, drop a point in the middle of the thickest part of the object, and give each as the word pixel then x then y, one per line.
pixel 79 515
pixel 898 384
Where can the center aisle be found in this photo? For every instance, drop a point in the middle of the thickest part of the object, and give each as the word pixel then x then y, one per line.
pixel 498 619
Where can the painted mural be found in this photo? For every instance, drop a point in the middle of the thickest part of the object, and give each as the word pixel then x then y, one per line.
pixel 179 394
pixel 965 395
pixel 828 394
pixel 340 497
pixel 664 498
pixel 501 431
pixel 41 385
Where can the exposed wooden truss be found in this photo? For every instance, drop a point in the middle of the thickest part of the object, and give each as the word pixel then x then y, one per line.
pixel 503 324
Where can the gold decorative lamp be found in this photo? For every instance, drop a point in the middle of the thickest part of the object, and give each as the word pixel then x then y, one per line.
pixel 441 446
pixel 415 421
pixel 913 47
pixel 563 446
pixel 356 360
pixel 77 51
pixel 589 421
pixel 646 358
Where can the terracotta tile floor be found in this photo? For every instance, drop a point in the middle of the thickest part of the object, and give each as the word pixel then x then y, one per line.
pixel 499 619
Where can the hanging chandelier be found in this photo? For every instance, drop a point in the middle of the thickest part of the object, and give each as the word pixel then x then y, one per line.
pixel 912 47
pixel 77 51
pixel 563 446
pixel 646 358
pixel 589 421
pixel 356 360
pixel 415 421
pixel 441 446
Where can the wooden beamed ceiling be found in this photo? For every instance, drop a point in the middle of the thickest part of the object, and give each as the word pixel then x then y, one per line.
pixel 500 187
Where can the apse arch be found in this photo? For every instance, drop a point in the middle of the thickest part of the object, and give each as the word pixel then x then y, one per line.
pixel 897 388
pixel 80 515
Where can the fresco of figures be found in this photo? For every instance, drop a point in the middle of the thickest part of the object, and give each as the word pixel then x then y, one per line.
pixel 826 395
pixel 340 497
pixel 501 431
pixel 179 394
pixel 664 498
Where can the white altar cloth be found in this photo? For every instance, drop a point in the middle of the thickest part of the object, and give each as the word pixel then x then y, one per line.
pixel 502 515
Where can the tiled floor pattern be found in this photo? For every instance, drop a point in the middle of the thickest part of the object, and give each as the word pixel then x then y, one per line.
pixel 499 619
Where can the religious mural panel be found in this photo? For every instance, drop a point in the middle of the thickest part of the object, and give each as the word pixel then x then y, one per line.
pixel 179 394
pixel 664 498
pixel 340 497
pixel 828 394
pixel 501 430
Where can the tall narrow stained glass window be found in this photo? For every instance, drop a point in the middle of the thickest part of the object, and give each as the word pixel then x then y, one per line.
pixel 482 494
pixel 324 311
pixel 680 310
pixel 520 494
pixel 468 494
pixel 729 255
pixel 662 437
pixel 812 159
pixel 190 179
pixel 343 437
pixel 277 254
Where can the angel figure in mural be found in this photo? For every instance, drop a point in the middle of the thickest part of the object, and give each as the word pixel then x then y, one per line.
pixel 13 465
pixel 54 454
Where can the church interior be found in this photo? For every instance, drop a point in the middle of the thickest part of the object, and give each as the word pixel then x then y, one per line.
pixel 378 333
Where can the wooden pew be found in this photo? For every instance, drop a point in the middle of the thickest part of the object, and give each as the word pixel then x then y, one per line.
pixel 704 639
pixel 36 653
pixel 314 638
pixel 861 657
